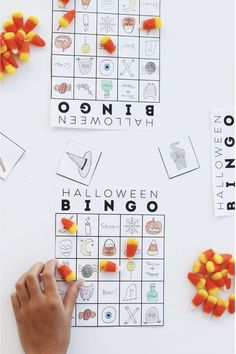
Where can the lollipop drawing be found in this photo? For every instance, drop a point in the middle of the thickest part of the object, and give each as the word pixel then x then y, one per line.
pixel 131 267
pixel 83 163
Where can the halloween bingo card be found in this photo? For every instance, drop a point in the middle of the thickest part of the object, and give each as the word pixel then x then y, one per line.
pixel 92 88
pixel 106 218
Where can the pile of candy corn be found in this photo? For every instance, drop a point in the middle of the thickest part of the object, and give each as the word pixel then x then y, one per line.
pixel 15 42
pixel 212 273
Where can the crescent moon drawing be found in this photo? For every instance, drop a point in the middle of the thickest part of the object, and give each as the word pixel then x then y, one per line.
pixel 130 6
pixel 84 247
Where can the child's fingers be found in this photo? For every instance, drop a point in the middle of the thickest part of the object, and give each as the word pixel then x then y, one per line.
pixel 22 290
pixel 71 296
pixel 32 280
pixel 48 277
pixel 15 304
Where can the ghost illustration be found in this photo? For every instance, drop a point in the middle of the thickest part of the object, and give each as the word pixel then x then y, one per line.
pixel 131 293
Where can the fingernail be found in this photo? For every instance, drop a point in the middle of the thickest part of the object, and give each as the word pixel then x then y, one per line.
pixel 80 282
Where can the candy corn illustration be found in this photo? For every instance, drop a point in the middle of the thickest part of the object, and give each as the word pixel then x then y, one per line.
pixel 66 273
pixel 108 266
pixel 69 225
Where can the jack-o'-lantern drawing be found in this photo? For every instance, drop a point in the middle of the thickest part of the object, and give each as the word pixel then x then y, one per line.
pixel 153 227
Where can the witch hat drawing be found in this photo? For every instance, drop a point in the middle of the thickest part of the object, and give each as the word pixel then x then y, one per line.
pixel 84 163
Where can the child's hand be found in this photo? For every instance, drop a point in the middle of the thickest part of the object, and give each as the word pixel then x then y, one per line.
pixel 42 317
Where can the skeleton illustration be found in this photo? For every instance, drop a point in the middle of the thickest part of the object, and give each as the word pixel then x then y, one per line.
pixel 178 156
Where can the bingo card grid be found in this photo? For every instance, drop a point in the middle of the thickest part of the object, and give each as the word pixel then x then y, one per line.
pixel 139 298
pixel 131 74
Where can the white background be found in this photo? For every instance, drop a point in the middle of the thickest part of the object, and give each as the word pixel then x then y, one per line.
pixel 196 76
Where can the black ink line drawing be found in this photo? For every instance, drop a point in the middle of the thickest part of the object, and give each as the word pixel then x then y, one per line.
pixel 2 165
pixel 63 42
pixel 87 226
pixel 131 314
pixel 66 247
pixel 83 163
pixel 107 24
pixel 84 247
pixel 127 67
pixel 85 4
pixel 86 22
pixel 107 86
pixel 178 156
pixel 150 47
pixel 128 24
pixel 108 4
pixel 109 314
pixel 86 292
pixel 131 293
pixel 109 248
pixel 132 226
pixel 87 270
pixel 106 67
pixel 85 87
pixel 150 91
pixel 85 65
pixel 152 316
pixel 63 65
pixel 130 6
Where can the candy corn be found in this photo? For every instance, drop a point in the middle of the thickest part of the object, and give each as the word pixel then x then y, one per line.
pixel 231 307
pixel 20 37
pixel 151 24
pixel 10 58
pixel 131 247
pixel 25 51
pixel 1 71
pixel 213 267
pixel 66 19
pixel 218 279
pixel 211 287
pixel 3 46
pixel 30 24
pixel 63 3
pixel 209 304
pixel 220 307
pixel 69 225
pixel 66 273
pixel 197 280
pixel 18 20
pixel 9 26
pixel 107 43
pixel 206 256
pixel 199 267
pixel 9 68
pixel 35 39
pixel 231 267
pixel 199 298
pixel 10 40
pixel 221 258
pixel 108 266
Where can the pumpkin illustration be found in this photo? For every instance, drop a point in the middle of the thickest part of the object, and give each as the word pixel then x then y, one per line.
pixel 153 227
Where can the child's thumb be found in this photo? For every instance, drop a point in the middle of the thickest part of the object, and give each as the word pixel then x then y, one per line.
pixel 71 296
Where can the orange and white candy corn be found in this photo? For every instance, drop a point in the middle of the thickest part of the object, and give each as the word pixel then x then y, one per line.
pixel 25 51
pixel 199 267
pixel 209 304
pixel 199 298
pixel 9 26
pixel 66 19
pixel 10 40
pixel 63 3
pixel 197 280
pixel 66 273
pixel 18 20
pixel 3 46
pixel 220 307
pixel 35 39
pixel 231 307
pixel 211 287
pixel 69 225
pixel 10 58
pixel 30 24
pixel 108 266
pixel 231 267
pixel 131 247
pixel 221 258
pixel 206 256
pixel 107 43
pixel 151 24
pixel 218 279
pixel 212 267
pixel 8 68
